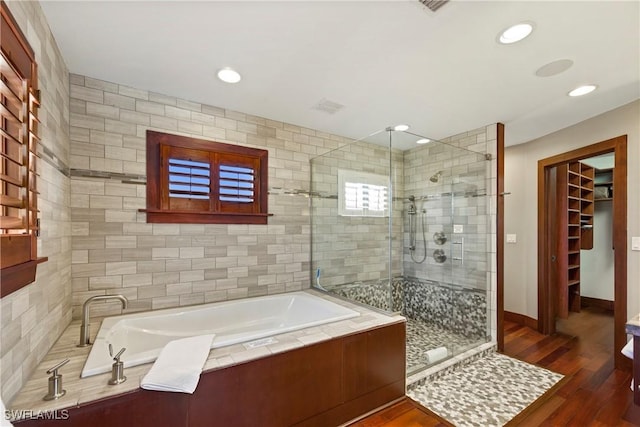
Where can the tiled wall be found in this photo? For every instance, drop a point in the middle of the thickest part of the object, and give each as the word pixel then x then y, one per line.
pixel 354 248
pixel 33 317
pixel 473 181
pixel 167 265
pixel 459 197
pixel 451 308
pixel 465 194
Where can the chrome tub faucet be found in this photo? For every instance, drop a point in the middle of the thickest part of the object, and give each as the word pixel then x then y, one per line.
pixel 85 331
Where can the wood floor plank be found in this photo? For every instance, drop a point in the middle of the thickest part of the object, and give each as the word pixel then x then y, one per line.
pixel 406 413
pixel 543 412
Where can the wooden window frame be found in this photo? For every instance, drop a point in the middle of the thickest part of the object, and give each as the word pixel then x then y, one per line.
pixel 212 211
pixel 19 223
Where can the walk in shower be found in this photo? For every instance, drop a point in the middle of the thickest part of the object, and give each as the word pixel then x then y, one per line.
pixel 401 223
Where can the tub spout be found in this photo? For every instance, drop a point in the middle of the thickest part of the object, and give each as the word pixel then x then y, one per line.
pixel 85 328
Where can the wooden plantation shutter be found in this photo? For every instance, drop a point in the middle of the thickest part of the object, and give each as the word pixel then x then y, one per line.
pixel 197 181
pixel 186 178
pixel 238 183
pixel 18 153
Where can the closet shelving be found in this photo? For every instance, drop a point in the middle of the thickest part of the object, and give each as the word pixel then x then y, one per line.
pixel 575 229
pixel 603 185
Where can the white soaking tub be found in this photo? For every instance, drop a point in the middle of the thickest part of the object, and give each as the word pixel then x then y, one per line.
pixel 145 334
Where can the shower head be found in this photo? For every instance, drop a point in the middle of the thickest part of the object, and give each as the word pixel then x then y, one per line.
pixel 436 176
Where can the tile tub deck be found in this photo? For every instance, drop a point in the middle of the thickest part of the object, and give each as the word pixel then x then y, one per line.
pixel 84 390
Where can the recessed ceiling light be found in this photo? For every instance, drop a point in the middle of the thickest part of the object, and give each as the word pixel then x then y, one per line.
pixel 582 90
pixel 423 141
pixel 401 128
pixel 229 75
pixel 515 33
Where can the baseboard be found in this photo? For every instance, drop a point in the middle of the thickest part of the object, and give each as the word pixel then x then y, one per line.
pixel 521 319
pixel 596 302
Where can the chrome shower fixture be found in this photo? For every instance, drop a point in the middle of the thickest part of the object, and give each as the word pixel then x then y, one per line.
pixel 413 229
pixel 412 207
pixel 436 176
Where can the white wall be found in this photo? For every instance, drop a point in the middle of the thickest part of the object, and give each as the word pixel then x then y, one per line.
pixel 596 265
pixel 521 161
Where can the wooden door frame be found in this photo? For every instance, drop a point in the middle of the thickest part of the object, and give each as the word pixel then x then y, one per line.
pixel 500 237
pixel 546 316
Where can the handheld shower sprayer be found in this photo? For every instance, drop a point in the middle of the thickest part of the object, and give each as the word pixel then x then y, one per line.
pixel 412 207
pixel 413 229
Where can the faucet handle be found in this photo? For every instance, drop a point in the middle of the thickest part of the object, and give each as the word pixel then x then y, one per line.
pixel 117 369
pixel 55 382
pixel 54 370
pixel 117 356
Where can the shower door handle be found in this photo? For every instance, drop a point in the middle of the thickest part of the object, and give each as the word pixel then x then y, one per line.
pixel 461 257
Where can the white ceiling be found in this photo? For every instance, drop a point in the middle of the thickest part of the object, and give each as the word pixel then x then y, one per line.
pixel 387 62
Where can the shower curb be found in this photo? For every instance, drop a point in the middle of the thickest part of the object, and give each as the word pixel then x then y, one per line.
pixel 450 365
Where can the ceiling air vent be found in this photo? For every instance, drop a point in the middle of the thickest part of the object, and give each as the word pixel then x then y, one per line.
pixel 434 5
pixel 327 106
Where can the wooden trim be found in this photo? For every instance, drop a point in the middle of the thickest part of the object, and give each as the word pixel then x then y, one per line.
pixel 500 239
pixel 636 369
pixel 19 251
pixel 597 302
pixel 546 317
pixel 620 246
pixel 16 47
pixel 170 217
pixel 18 276
pixel 521 319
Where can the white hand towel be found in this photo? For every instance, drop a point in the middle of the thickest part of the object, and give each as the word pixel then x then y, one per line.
pixel 436 354
pixel 179 365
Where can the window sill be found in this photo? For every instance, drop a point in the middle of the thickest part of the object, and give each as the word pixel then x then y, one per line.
pixel 18 276
pixel 190 217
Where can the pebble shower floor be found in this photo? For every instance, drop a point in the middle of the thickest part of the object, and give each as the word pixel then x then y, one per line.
pixel 489 391
pixel 422 337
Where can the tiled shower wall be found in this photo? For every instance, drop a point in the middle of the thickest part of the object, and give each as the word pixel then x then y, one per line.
pixel 459 197
pixel 451 308
pixel 167 265
pixel 33 317
pixel 351 249
pixel 471 181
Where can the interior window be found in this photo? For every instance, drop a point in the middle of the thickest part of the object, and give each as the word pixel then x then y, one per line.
pixel 362 194
pixel 197 181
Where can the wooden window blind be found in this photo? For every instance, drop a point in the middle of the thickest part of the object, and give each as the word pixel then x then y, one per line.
pixel 196 181
pixel 19 102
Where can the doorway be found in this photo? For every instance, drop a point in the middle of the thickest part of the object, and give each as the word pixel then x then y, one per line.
pixel 548 268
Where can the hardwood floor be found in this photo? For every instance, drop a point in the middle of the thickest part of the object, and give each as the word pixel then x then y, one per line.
pixel 592 394
pixel 406 413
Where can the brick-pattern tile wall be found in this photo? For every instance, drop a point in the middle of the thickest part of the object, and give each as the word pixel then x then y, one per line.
pixel 458 197
pixel 349 249
pixel 167 265
pixel 33 317
pixel 472 180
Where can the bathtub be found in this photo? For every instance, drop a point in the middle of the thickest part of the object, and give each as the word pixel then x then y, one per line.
pixel 233 322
